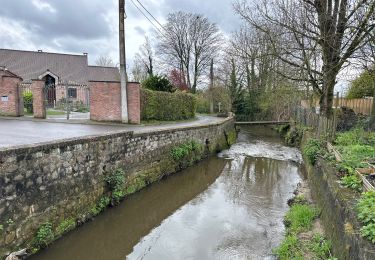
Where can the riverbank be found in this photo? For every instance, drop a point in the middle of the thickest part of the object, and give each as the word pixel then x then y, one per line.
pixel 337 204
pixel 54 187
pixel 305 235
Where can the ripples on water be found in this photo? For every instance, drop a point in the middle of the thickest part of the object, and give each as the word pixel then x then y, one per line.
pixel 229 207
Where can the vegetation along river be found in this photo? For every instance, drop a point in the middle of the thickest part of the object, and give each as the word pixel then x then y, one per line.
pixel 226 207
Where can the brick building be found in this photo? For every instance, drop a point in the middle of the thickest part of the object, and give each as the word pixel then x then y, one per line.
pixel 65 75
pixel 58 79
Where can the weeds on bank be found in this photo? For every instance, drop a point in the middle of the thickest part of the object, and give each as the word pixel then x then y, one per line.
pixel 181 151
pixel 300 219
pixel 44 236
pixel 115 182
pixel 100 206
pixel 312 149
pixel 366 214
pixel 352 181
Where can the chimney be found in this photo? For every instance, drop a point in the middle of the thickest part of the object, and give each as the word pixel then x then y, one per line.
pixel 40 50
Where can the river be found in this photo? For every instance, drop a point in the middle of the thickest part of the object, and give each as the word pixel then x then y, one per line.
pixel 229 206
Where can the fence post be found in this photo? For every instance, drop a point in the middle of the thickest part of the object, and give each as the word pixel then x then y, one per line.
pixel 372 115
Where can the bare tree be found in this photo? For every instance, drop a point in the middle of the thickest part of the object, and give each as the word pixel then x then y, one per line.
pixel 145 56
pixel 104 61
pixel 318 36
pixel 138 72
pixel 190 42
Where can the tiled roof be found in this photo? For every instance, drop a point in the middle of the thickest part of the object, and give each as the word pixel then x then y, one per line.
pixel 5 72
pixel 68 67
pixel 98 73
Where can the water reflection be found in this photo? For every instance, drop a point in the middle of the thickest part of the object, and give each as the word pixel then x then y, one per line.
pixel 229 207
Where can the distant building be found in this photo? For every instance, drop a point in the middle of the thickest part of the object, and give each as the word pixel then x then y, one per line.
pixel 65 75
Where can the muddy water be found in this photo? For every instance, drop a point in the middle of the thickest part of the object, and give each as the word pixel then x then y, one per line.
pixel 226 207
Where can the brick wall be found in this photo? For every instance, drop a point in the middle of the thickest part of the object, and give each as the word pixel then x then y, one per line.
pixel 134 102
pixel 10 95
pixel 105 101
pixel 37 88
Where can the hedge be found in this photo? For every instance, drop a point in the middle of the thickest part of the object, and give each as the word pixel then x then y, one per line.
pixel 164 106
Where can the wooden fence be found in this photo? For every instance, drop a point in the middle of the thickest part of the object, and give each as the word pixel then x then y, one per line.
pixel 359 105
pixel 324 127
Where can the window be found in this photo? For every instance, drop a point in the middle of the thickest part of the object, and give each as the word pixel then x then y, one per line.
pixel 72 92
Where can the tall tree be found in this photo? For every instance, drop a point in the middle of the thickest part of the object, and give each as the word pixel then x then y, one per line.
pixel 145 56
pixel 190 42
pixel 318 36
pixel 104 61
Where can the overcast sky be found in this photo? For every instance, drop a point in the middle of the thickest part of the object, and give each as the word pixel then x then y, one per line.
pixel 77 26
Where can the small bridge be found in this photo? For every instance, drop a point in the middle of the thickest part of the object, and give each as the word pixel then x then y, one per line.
pixel 263 123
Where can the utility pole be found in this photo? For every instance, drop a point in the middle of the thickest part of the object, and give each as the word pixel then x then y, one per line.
pixel 211 90
pixel 123 75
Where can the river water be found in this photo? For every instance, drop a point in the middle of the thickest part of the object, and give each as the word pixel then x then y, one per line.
pixel 226 207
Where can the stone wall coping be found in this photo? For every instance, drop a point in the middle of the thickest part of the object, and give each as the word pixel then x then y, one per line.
pixel 43 146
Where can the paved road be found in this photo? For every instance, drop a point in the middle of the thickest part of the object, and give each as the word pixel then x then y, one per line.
pixel 15 132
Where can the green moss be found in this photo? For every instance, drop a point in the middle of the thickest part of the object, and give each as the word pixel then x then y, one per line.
pixel 135 184
pixel 231 137
pixel 65 226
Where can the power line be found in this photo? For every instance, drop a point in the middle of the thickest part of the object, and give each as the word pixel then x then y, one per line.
pixel 150 14
pixel 140 10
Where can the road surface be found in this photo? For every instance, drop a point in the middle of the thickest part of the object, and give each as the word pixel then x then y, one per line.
pixel 16 132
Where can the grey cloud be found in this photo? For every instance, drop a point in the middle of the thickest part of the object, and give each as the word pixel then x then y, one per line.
pixel 80 19
pixel 140 30
pixel 218 11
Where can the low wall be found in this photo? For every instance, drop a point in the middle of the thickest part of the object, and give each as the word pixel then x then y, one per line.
pixel 338 213
pixel 63 180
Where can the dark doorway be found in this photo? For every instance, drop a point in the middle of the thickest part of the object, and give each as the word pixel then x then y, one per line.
pixel 50 91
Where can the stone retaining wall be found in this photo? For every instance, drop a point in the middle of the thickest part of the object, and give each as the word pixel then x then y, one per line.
pixel 338 213
pixel 62 180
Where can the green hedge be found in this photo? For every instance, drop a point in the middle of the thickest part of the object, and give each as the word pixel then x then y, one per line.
pixel 164 106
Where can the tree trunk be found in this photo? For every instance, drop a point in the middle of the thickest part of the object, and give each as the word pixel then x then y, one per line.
pixel 326 99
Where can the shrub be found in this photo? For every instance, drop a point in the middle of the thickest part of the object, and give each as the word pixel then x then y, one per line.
pixel 28 101
pixel 158 83
pixel 44 236
pixel 115 182
pixel 167 106
pixel 312 149
pixel 366 214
